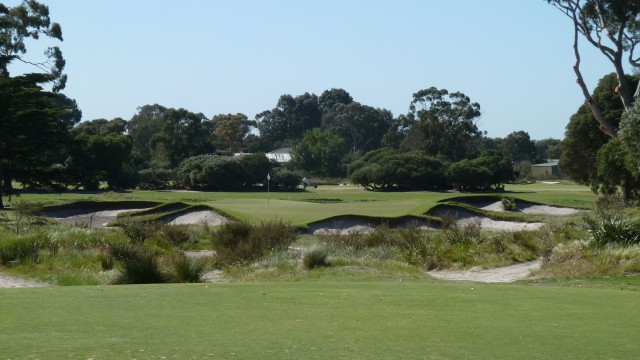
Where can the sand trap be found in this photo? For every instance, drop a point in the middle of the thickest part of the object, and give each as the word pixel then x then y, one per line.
pixel 95 219
pixel 7 281
pixel 199 217
pixel 505 274
pixel 496 225
pixel 533 209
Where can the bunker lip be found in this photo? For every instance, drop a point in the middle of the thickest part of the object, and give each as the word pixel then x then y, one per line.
pixel 94 214
pixel 494 203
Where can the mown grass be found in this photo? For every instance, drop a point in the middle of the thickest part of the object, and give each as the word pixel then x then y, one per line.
pixel 319 320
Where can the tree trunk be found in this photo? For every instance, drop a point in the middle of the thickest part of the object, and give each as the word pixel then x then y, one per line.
pixel 605 126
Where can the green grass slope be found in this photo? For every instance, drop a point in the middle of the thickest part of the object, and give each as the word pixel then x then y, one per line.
pixel 318 320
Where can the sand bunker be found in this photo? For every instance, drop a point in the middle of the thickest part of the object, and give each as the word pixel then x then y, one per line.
pixel 198 217
pixel 504 274
pixel 95 219
pixel 497 225
pixel 490 204
pixel 352 224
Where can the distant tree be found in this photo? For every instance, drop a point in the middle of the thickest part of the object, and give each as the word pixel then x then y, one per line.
pixel 331 98
pixel 233 130
pixel 388 169
pixel 320 153
pixel 288 121
pixel 518 146
pixel 100 151
pixel 613 27
pixel 398 131
pixel 549 148
pixel 445 124
pixel 143 126
pixel 489 171
pixel 362 127
pixel 162 137
pixel 30 20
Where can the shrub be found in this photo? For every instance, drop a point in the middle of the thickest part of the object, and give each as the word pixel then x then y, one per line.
pixel 186 269
pixel 177 235
pixel 382 235
pixel 239 242
pixel 106 262
pixel 412 246
pixel 314 257
pixel 138 231
pixel 138 266
pixel 509 204
pixel 607 223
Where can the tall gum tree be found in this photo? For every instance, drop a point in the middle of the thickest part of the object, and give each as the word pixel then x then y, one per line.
pixel 613 27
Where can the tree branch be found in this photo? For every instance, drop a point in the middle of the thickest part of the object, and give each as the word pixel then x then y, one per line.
pixel 605 126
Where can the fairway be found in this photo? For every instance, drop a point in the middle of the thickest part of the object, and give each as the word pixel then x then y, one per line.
pixel 319 320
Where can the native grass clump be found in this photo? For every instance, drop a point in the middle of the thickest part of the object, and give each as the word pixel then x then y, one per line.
pixel 139 252
pixel 242 242
pixel 608 244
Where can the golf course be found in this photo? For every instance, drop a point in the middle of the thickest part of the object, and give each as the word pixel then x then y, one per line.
pixel 358 307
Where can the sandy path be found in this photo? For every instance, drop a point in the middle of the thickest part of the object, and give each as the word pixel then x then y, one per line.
pixel 7 281
pixel 504 274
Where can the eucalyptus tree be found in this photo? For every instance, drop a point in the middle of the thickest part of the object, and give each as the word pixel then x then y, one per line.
pixel 286 123
pixel 30 20
pixel 445 124
pixel 233 130
pixel 612 27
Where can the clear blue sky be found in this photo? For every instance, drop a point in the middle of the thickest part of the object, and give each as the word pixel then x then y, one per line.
pixel 514 57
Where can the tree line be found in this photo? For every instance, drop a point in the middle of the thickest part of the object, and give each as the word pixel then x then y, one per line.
pixel 435 145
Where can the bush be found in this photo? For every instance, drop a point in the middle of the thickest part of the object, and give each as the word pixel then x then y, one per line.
pixel 314 257
pixel 177 235
pixel 138 231
pixel 138 265
pixel 412 246
pixel 186 269
pixel 239 242
pixel 608 224
pixel 509 204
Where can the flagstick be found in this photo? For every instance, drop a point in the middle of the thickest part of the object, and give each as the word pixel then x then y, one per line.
pixel 268 186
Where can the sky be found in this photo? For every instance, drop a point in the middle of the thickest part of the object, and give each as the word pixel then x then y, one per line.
pixel 513 57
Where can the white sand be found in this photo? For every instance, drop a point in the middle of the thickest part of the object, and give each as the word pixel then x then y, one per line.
pixel 505 274
pixel 200 217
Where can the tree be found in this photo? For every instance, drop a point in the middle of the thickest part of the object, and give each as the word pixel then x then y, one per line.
pixel 233 129
pixel 362 127
pixel 583 138
pixel 163 137
pixel 101 151
pixel 630 133
pixel 146 123
pixel 30 19
pixel 613 27
pixel 320 153
pixel 548 148
pixel 445 124
pixel 289 120
pixel 33 125
pixel 331 98
pixel 518 146
pixel 614 166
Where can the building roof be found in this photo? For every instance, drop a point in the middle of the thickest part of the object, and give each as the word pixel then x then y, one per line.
pixel 547 164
